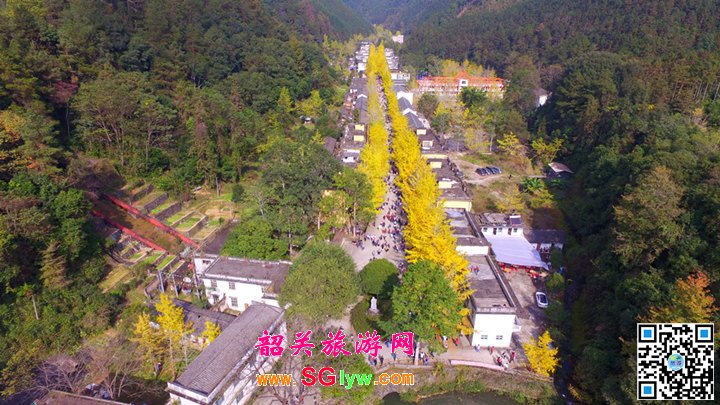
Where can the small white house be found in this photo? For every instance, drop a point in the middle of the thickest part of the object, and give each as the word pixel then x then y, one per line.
pixel 236 282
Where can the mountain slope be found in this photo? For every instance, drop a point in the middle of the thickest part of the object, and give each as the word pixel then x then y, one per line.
pixel 550 30
pixel 321 17
pixel 400 14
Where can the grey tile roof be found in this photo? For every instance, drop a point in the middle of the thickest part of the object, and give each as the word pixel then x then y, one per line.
pixel 199 316
pixel 414 121
pixel 254 271
pixel 404 104
pixel 545 235
pixel 209 369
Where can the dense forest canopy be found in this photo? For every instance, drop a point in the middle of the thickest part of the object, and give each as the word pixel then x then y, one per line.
pixel 178 92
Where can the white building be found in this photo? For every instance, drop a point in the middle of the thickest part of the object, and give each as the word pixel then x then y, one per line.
pixel 507 240
pixel 469 241
pixel 236 282
pixel 492 311
pixel 224 373
pixel 399 38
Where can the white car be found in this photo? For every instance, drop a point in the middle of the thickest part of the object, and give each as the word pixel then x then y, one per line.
pixel 541 299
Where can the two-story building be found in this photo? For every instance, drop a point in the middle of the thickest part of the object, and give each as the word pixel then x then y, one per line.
pixel 453 85
pixel 224 372
pixel 234 283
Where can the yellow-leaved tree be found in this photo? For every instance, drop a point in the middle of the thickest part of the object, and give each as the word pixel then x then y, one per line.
pixel 541 356
pixel 510 144
pixel 690 303
pixel 172 324
pixel 149 339
pixel 212 330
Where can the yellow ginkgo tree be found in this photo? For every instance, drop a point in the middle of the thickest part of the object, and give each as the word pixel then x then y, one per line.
pixel 541 355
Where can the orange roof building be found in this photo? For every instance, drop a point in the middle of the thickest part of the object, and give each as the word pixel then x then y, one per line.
pixel 453 85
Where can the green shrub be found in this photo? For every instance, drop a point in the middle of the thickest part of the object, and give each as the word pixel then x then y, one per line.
pixel 555 283
pixel 379 277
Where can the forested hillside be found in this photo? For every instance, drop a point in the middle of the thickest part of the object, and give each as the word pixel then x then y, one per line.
pixel 182 93
pixel 636 103
pixel 321 17
pixel 400 14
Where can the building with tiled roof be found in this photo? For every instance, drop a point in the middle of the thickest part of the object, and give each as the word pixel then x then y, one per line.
pixel 453 85
pixel 224 373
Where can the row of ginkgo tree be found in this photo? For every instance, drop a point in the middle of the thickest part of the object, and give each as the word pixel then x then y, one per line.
pixel 375 156
pixel 428 235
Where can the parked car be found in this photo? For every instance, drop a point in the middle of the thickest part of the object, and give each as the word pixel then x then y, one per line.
pixel 541 299
pixel 494 169
pixel 482 171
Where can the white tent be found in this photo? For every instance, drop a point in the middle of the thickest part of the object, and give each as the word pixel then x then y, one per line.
pixel 515 250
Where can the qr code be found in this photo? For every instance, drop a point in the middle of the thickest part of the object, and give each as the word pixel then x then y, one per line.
pixel 675 361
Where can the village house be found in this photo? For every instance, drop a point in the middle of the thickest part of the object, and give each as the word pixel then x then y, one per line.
pixel 492 310
pixel 545 240
pixel 453 85
pixel 224 372
pixel 469 241
pixel 233 283
pixel 405 106
pixel 557 170
pixel 507 240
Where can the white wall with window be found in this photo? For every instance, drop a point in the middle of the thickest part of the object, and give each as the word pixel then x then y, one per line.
pixel 238 295
pixel 493 329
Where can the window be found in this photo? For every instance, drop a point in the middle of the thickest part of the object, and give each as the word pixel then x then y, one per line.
pixel 509 231
pixel 485 230
pixel 483 337
pixel 499 337
pixel 213 283
pixel 494 231
pixel 232 285
pixel 233 301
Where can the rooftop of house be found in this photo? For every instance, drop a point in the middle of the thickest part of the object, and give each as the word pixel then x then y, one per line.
pixel 248 270
pixel 559 167
pixel 455 193
pixel 359 85
pixel 199 316
pixel 488 295
pixel 404 104
pixel 329 143
pixel 462 75
pixel 65 398
pixel 544 235
pixel 539 92
pixel 413 121
pixel 500 220
pixel 460 222
pixel 220 359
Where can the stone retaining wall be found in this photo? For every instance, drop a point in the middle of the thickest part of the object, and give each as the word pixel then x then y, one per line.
pixel 155 203
pixel 197 227
pixel 173 209
pixel 142 193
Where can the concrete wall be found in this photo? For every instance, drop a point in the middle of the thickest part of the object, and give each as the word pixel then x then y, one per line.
pixel 464 204
pixel 473 250
pixel 245 293
pixel 169 211
pixel 155 203
pixel 492 326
